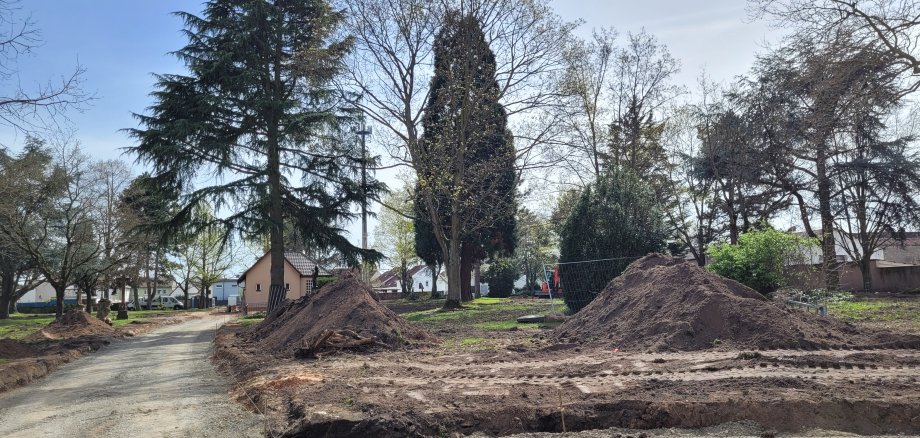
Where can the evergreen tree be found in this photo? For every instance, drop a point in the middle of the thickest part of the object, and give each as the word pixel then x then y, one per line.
pixel 257 113
pixel 615 220
pixel 465 165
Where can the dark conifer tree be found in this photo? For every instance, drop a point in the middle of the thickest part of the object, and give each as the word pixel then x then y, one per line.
pixel 255 127
pixel 467 184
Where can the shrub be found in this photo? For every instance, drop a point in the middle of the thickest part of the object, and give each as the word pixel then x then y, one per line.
pixel 760 258
pixel 614 220
pixel 500 275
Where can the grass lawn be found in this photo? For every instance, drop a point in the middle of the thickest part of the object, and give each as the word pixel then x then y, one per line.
pixel 20 325
pixel 490 314
pixel 896 314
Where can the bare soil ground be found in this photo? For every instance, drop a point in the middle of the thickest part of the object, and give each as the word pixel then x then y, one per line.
pixel 493 377
pixel 50 346
pixel 159 384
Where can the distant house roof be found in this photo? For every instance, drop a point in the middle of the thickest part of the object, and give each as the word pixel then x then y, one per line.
pixel 301 263
pixel 390 279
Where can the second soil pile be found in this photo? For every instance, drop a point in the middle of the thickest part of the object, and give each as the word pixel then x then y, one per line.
pixel 343 306
pixel 662 303
pixel 73 324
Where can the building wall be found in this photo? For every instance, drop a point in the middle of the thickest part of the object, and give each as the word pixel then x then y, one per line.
pixel 221 290
pixel 906 254
pixel 260 275
pixel 883 279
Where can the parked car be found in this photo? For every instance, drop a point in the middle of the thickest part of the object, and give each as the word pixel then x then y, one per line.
pixel 160 302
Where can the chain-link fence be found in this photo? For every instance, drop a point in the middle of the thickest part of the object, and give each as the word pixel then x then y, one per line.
pixel 579 282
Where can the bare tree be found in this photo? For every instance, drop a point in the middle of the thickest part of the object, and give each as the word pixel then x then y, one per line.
pixel 29 110
pixel 29 183
pixel 613 97
pixel 61 237
pixel 890 28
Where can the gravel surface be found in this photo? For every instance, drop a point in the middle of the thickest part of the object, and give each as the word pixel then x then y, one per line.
pixel 159 384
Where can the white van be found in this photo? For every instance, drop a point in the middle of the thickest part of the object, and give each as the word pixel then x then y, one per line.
pixel 160 302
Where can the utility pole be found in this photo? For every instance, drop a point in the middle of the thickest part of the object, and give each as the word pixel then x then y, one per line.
pixel 364 132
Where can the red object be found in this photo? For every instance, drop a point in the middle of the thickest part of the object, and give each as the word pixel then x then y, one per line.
pixel 556 275
pixel 544 287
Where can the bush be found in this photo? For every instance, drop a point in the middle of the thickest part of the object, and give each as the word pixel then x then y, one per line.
pixel 500 275
pixel 322 281
pixel 760 258
pixel 614 221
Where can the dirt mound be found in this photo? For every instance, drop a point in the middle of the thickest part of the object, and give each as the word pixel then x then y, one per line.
pixel 11 349
pixel 73 324
pixel 663 303
pixel 344 313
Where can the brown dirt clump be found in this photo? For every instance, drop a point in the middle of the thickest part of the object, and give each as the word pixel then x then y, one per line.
pixel 666 304
pixel 12 349
pixel 73 324
pixel 343 306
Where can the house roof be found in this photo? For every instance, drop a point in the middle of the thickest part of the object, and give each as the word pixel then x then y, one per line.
pixel 301 263
pixel 391 278
pixel 304 265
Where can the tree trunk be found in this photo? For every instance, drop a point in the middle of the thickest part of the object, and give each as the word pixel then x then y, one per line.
pixel 865 267
pixel 434 280
pixel 477 284
pixel 828 247
pixel 137 298
pixel 407 287
pixel 79 294
pixel 453 271
pixel 59 305
pixel 466 273
pixel 156 279
pixel 89 301
pixel 6 295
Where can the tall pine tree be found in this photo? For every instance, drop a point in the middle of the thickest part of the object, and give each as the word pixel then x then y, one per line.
pixel 465 160
pixel 255 127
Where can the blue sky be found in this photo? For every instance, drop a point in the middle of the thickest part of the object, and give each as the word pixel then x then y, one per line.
pixel 122 42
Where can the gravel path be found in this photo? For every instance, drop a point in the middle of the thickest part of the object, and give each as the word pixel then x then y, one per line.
pixel 160 384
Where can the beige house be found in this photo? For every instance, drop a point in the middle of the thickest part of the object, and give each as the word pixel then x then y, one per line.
pixel 298 278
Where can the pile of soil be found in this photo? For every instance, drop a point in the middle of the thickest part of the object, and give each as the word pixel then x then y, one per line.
pixel 665 304
pixel 11 349
pixel 75 323
pixel 346 304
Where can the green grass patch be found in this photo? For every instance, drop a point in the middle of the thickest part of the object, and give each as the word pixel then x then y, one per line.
pixel 20 325
pixel 246 322
pixel 887 310
pixel 491 314
pixel 508 325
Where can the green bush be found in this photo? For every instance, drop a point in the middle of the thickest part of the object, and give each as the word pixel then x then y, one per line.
pixel 500 275
pixel 614 221
pixel 760 258
pixel 322 281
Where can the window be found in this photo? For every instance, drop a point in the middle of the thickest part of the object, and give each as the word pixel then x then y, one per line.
pixel 287 286
pixel 218 286
pixel 258 287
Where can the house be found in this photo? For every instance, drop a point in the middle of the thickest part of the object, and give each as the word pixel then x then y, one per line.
pixel 388 285
pixel 895 267
pixel 44 293
pixel 224 288
pixel 298 279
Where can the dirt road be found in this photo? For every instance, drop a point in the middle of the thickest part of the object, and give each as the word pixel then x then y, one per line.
pixel 161 384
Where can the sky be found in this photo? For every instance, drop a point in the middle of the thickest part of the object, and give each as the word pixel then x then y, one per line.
pixel 121 44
